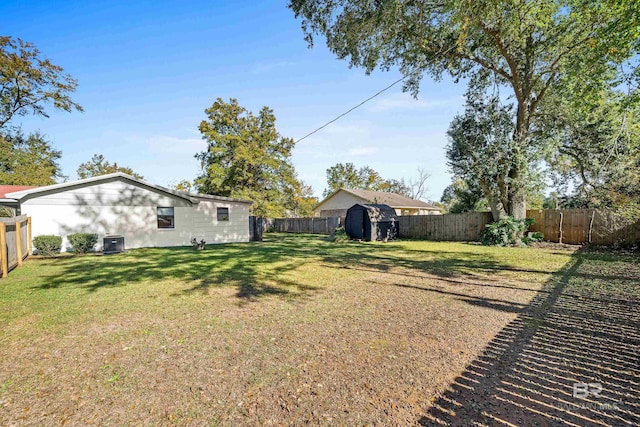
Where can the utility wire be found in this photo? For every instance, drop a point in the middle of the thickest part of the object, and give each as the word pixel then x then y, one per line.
pixel 351 109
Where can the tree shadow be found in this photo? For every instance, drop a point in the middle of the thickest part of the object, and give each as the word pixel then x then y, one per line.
pixel 245 266
pixel 527 374
pixel 261 268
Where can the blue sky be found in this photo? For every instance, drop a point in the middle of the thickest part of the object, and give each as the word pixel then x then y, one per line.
pixel 148 70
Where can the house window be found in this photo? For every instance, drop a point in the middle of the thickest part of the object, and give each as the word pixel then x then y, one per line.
pixel 223 214
pixel 166 219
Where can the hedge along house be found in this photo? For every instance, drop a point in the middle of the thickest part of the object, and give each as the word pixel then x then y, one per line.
pixel 371 222
pixel 147 215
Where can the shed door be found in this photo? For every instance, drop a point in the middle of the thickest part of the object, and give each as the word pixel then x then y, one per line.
pixel 356 221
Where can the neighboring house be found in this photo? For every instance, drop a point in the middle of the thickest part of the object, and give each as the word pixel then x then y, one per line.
pixel 147 215
pixel 338 203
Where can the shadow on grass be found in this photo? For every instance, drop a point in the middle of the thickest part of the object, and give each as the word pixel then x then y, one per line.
pixel 566 335
pixel 253 268
pixel 260 268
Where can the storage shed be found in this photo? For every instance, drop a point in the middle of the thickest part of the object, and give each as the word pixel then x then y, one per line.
pixel 371 222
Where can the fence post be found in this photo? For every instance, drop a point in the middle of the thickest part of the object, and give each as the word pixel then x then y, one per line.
pixel 19 243
pixel 29 244
pixel 4 258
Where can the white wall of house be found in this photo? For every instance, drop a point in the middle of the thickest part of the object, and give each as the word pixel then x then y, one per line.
pixel 120 207
pixel 340 200
pixel 416 211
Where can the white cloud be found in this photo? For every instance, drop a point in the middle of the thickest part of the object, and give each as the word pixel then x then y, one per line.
pixel 404 101
pixel 362 151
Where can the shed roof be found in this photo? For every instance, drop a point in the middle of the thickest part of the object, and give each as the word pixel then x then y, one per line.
pixel 378 212
pixel 383 197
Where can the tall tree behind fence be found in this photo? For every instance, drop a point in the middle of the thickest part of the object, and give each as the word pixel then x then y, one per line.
pixel 15 242
pixel 306 225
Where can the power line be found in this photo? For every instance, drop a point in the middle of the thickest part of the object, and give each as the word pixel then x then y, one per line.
pixel 351 109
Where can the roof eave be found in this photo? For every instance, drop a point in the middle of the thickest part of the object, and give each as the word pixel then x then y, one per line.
pixel 336 192
pixel 222 198
pixel 25 193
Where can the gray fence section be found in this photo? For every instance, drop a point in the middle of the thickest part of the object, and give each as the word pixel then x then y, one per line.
pixel 306 225
pixel 258 226
pixel 450 227
pixel 12 251
pixel 11 255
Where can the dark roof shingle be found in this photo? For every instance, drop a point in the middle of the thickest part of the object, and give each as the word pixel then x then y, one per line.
pixel 392 199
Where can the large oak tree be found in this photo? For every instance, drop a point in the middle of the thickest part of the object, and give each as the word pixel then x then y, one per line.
pixel 98 165
pixel 28 160
pixel 29 82
pixel 531 47
pixel 247 158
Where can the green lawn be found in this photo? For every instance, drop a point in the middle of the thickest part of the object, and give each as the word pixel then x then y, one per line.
pixel 291 330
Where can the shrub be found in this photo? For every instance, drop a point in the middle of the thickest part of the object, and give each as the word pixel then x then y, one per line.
pixel 6 212
pixel 339 235
pixel 81 243
pixel 509 232
pixel 47 244
pixel 529 238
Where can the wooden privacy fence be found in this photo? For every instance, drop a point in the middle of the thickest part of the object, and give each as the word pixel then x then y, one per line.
pixel 15 242
pixel 258 226
pixel 451 227
pixel 571 226
pixel 579 226
pixel 306 225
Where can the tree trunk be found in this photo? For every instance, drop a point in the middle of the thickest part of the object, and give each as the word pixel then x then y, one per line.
pixel 498 210
pixel 517 203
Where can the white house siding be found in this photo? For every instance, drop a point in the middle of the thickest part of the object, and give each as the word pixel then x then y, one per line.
pixel 203 218
pixel 416 211
pixel 339 201
pixel 119 207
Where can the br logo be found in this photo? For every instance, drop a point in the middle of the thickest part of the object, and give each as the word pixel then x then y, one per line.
pixel 584 390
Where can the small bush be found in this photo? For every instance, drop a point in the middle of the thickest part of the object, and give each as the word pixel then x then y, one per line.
pixel 81 243
pixel 6 212
pixel 47 244
pixel 509 232
pixel 339 235
pixel 532 237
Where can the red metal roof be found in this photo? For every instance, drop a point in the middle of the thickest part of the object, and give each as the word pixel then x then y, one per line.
pixel 4 189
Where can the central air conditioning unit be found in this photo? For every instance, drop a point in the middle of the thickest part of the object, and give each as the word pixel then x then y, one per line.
pixel 113 244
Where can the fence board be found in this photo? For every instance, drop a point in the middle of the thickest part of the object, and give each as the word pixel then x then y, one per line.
pixel 10 255
pixel 454 227
pixel 571 226
pixel 326 225
pixel 582 226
